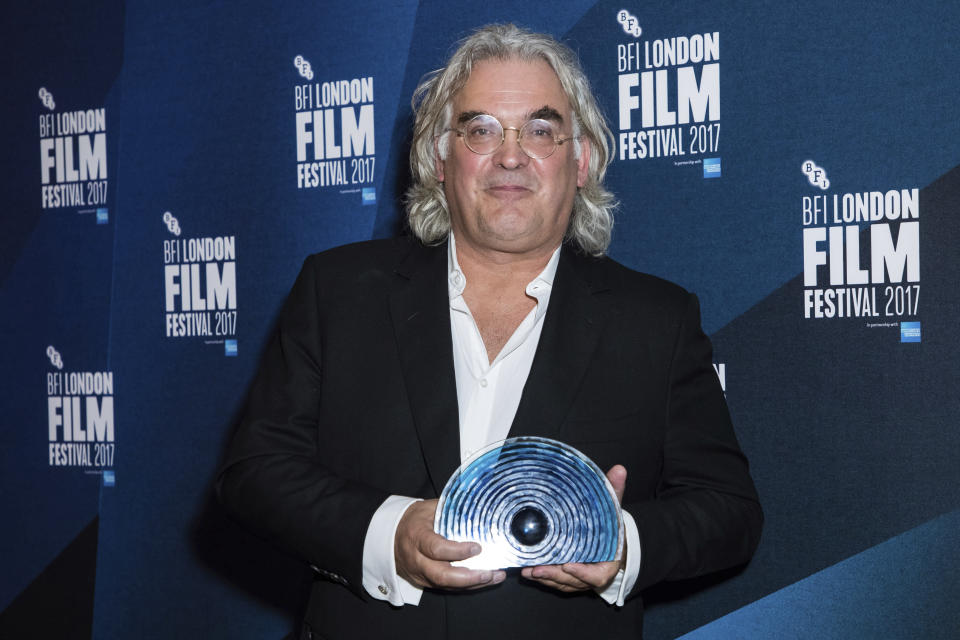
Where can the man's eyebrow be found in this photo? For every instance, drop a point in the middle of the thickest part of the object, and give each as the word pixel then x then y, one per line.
pixel 546 113
pixel 467 116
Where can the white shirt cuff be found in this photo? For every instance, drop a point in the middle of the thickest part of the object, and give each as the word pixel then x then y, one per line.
pixel 623 582
pixel 380 578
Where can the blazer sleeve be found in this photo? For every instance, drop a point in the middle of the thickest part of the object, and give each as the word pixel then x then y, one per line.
pixel 706 514
pixel 272 480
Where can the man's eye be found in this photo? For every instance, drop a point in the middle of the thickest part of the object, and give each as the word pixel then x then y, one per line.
pixel 480 132
pixel 539 129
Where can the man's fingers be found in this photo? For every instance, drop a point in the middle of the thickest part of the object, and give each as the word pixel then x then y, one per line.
pixel 598 575
pixel 498 577
pixel 436 547
pixel 463 578
pixel 423 557
pixel 559 586
pixel 573 576
pixel 554 576
pixel 442 575
pixel 445 576
pixel 617 475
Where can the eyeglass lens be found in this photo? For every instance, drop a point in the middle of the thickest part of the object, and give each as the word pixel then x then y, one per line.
pixel 484 134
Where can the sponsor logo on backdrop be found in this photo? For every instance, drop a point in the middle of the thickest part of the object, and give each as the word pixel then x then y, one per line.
pixel 335 134
pixel 200 286
pixel 711 167
pixel 47 99
pixel 629 23
pixel 668 95
pixel 303 67
pixel 816 175
pixel 55 358
pixel 852 272
pixel 909 332
pixel 173 225
pixel 80 415
pixel 73 158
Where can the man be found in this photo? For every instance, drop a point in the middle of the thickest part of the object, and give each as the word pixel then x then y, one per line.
pixel 395 360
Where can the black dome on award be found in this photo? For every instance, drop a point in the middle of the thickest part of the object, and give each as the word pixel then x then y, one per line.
pixel 531 501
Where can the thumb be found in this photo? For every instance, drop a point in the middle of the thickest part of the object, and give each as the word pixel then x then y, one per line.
pixel 617 475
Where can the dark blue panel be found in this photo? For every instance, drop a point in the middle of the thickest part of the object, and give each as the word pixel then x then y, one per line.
pixel 903 588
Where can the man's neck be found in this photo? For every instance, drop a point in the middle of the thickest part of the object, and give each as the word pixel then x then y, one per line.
pixel 507 272
pixel 496 290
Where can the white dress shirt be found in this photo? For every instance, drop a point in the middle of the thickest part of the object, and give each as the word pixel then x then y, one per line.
pixel 488 394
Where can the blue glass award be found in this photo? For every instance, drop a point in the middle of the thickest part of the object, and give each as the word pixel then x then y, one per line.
pixel 531 501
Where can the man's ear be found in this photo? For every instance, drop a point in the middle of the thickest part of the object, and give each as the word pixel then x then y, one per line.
pixel 438 161
pixel 583 162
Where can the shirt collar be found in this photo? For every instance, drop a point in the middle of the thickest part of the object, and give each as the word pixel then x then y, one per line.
pixel 538 288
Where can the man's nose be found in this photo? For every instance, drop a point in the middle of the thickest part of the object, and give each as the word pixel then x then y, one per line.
pixel 510 155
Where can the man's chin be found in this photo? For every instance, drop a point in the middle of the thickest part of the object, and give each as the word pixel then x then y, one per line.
pixel 518 242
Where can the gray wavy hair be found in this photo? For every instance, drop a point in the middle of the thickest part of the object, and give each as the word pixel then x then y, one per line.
pixel 591 222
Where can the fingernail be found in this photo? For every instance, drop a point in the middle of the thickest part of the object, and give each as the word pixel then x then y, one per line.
pixel 475 549
pixel 499 577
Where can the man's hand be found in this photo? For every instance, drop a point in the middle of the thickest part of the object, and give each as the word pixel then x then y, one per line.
pixel 578 576
pixel 423 557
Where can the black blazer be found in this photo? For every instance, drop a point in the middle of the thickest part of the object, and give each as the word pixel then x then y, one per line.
pixel 356 400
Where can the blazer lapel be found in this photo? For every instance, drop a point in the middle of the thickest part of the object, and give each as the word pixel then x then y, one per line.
pixel 420 311
pixel 571 329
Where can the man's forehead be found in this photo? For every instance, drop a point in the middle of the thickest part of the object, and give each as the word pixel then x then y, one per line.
pixel 519 85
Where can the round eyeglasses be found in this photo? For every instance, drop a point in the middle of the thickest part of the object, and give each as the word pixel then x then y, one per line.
pixel 483 134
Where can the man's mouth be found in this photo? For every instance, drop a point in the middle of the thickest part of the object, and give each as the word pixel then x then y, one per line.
pixel 508 188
